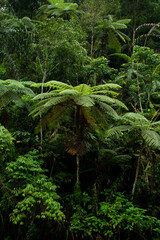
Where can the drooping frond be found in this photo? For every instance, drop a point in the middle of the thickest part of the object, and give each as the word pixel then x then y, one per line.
pixel 117 131
pixel 109 100
pixel 100 118
pixel 45 105
pixel 108 110
pixel 151 138
pixel 113 40
pixel 53 84
pixel 84 101
pixel 12 90
pixel 56 115
pixel 88 117
pixel 42 96
pixel 135 119
pixel 106 92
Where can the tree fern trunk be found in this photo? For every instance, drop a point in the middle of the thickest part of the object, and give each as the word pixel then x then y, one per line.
pixel 77 161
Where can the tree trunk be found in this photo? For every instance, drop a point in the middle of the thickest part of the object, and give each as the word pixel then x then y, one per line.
pixel 136 178
pixel 77 161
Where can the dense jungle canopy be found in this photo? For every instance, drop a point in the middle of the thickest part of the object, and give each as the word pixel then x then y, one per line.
pixel 79 120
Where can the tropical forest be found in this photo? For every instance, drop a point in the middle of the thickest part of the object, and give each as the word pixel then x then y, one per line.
pixel 79 119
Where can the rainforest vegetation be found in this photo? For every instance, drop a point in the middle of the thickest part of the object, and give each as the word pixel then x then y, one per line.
pixel 79 120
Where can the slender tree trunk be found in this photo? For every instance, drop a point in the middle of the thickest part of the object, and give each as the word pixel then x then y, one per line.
pixel 41 130
pixel 137 170
pixel 77 161
pixel 92 41
pixel 136 178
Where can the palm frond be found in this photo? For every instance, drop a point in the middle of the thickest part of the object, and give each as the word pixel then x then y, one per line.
pixel 113 41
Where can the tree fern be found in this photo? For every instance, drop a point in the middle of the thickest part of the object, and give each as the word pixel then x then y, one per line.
pixel 117 131
pixel 12 90
pixel 151 138
pixel 89 107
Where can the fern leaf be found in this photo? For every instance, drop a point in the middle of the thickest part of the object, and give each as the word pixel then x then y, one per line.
pixel 117 131
pixel 45 95
pixel 83 88
pixel 151 138
pixel 106 86
pixel 109 110
pixel 58 85
pixel 109 100
pixel 84 101
pixel 136 118
pixel 69 92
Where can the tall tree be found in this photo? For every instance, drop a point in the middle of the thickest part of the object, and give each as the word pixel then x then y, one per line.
pixel 88 107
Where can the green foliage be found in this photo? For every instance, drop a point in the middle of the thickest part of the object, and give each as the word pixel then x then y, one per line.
pixel 34 194
pixel 116 214
pixel 141 79
pixel 14 91
pixel 6 140
pixel 59 8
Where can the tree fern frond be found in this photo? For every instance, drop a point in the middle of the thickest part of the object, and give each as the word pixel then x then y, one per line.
pixel 135 118
pixel 88 117
pixel 69 92
pixel 155 124
pixel 151 138
pixel 58 85
pixel 83 88
pixel 106 86
pixel 12 90
pixel 106 92
pixel 54 101
pixel 109 110
pixel 109 100
pixel 45 105
pixel 72 150
pixel 56 115
pixel 84 101
pixel 117 131
pixel 42 96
